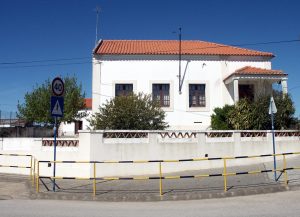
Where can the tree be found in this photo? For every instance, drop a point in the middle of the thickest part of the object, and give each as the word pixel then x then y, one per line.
pixel 247 115
pixel 133 112
pixel 283 118
pixel 36 108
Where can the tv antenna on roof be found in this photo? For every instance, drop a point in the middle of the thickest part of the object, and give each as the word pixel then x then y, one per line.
pixel 98 9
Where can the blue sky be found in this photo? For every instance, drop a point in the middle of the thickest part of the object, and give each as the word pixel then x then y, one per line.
pixel 59 30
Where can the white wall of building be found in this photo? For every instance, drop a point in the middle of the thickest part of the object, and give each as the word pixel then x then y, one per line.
pixel 142 71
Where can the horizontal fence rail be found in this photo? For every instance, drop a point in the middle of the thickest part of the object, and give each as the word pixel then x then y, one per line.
pixel 31 164
pixel 160 177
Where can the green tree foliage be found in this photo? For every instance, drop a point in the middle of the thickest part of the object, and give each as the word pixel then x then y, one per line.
pixel 241 117
pixel 133 112
pixel 284 118
pixel 261 119
pixel 219 120
pixel 36 108
pixel 246 115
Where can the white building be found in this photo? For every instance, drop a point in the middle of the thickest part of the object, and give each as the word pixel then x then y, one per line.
pixel 209 75
pixel 71 128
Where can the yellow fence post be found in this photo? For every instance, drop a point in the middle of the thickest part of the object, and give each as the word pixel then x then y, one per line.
pixel 31 177
pixel 94 186
pixel 38 177
pixel 285 173
pixel 34 161
pixel 160 180
pixel 225 175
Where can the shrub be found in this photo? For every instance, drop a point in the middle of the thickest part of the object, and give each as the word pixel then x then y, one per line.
pixel 219 120
pixel 134 112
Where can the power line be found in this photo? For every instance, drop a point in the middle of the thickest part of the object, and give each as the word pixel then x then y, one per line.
pixel 232 45
pixel 295 87
pixel 55 64
pixel 77 58
pixel 48 60
pixel 269 42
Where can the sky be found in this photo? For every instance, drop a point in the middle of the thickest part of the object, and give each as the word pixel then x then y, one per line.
pixel 42 39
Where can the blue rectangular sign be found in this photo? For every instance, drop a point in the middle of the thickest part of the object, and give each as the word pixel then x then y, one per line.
pixel 57 106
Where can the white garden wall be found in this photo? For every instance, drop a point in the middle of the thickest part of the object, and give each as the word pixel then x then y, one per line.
pixel 165 145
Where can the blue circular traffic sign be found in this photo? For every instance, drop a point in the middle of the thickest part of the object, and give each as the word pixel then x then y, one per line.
pixel 58 86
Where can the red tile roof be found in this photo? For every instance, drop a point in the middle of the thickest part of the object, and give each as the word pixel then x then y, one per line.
pixel 171 47
pixel 248 70
pixel 258 71
pixel 88 103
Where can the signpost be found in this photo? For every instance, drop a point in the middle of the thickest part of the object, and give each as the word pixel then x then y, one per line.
pixel 57 110
pixel 272 111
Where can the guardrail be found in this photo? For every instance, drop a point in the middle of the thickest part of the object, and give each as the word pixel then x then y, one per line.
pixel 31 166
pixel 160 177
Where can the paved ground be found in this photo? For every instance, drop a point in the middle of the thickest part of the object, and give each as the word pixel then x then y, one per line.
pixel 264 205
pixel 14 187
pixel 19 187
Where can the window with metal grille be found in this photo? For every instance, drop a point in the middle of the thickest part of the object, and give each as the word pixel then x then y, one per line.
pixel 123 89
pixel 197 95
pixel 161 94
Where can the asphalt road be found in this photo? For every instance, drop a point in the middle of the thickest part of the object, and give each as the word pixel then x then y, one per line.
pixel 276 204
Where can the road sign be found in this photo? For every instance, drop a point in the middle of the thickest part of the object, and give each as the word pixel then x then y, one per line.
pixel 272 107
pixel 58 86
pixel 272 111
pixel 57 106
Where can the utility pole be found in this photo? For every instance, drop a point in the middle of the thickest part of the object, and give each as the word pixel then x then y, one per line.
pixel 179 74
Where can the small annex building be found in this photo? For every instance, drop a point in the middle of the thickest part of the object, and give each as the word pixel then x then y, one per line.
pixel 72 128
pixel 188 79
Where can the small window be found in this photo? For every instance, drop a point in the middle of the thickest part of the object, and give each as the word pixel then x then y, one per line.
pixel 161 94
pixel 197 95
pixel 124 89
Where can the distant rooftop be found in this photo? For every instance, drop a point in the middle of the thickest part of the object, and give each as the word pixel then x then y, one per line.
pixel 88 103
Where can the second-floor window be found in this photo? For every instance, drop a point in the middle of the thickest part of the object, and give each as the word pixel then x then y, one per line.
pixel 123 89
pixel 197 95
pixel 161 94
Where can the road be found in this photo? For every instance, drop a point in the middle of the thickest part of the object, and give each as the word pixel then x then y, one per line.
pixel 276 204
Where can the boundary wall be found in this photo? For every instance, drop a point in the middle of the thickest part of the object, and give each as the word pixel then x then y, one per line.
pixel 147 146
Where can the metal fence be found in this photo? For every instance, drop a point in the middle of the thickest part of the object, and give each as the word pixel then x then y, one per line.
pixel 161 177
pixel 10 119
pixel 25 132
pixel 26 162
